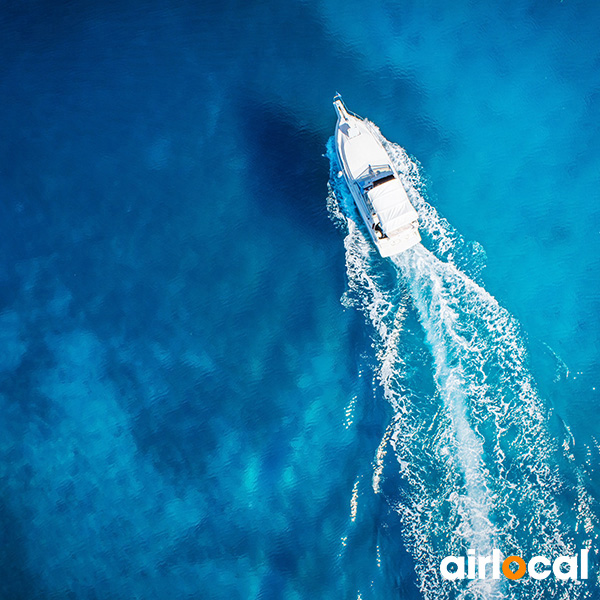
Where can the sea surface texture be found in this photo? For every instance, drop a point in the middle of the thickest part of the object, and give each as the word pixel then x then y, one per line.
pixel 211 384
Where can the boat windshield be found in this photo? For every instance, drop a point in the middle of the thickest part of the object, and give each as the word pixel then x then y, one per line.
pixel 384 179
pixel 376 176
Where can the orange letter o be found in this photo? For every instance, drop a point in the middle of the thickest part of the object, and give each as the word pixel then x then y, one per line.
pixel 514 574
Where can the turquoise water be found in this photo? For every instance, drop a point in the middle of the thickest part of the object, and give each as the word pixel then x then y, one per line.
pixel 211 386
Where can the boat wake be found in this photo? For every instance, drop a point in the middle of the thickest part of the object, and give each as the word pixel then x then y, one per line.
pixel 473 457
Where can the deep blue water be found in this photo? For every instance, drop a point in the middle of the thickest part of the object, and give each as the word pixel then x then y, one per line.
pixel 210 384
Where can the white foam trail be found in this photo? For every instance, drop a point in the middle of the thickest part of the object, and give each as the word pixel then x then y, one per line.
pixel 386 312
pixel 477 461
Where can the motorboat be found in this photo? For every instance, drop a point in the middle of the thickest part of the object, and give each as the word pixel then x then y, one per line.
pixel 374 183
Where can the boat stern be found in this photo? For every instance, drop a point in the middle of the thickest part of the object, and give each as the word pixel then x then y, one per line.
pixel 400 242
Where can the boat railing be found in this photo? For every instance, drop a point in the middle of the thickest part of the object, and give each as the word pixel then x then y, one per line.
pixel 365 195
pixel 337 97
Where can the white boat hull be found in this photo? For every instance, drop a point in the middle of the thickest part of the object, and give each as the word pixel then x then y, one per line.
pixel 374 184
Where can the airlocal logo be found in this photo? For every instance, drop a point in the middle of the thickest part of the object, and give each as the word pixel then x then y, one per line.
pixel 539 567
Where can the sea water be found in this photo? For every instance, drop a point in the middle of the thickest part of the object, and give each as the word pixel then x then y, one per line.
pixel 211 385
